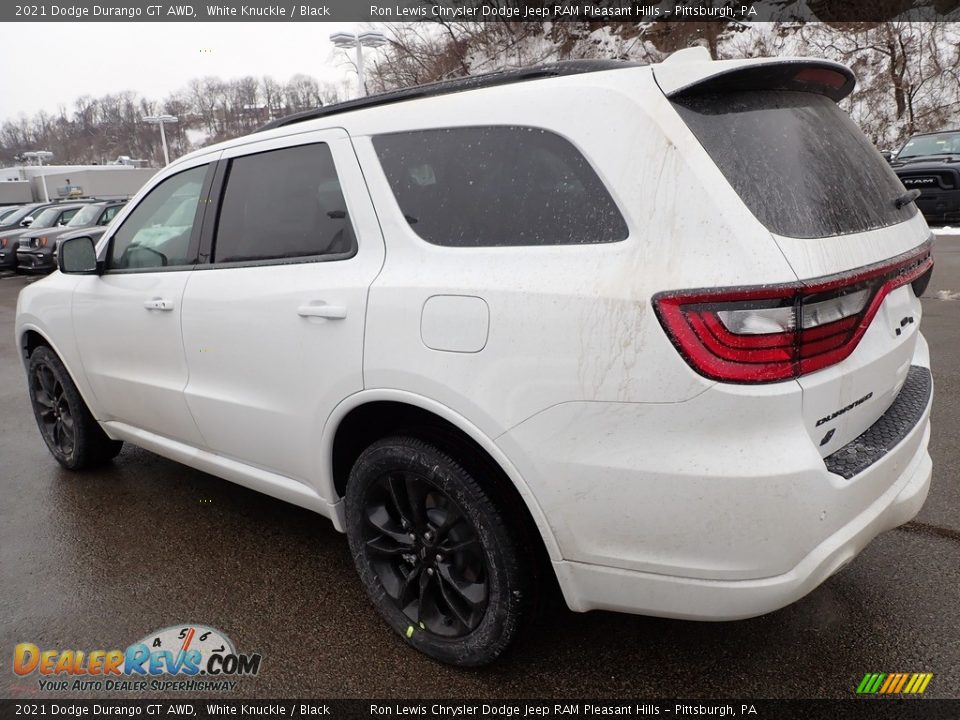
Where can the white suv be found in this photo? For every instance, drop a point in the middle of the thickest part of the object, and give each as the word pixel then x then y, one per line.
pixel 651 330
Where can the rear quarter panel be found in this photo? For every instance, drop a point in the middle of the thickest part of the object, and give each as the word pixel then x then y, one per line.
pixel 566 322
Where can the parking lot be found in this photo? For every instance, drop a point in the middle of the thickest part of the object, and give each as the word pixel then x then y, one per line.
pixel 99 560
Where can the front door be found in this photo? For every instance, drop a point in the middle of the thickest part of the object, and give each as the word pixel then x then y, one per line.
pixel 273 325
pixel 127 321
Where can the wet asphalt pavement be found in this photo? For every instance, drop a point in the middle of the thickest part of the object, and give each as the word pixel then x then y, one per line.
pixel 99 560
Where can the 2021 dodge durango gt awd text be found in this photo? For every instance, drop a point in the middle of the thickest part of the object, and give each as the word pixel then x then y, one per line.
pixel 604 321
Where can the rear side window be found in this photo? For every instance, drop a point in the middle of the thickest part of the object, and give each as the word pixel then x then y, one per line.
pixel 497 186
pixel 797 160
pixel 283 204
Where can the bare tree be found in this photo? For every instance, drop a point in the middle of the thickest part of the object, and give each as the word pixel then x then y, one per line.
pixel 909 73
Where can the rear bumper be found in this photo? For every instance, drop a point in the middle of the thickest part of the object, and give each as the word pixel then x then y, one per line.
pixel 720 507
pixel 589 587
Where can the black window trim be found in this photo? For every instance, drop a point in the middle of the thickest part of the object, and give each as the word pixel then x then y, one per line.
pixel 194 245
pixel 614 198
pixel 214 203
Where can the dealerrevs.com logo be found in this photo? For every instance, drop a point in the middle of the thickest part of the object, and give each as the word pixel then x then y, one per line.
pixel 188 657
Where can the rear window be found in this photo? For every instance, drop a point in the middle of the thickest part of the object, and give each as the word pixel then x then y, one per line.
pixel 497 186
pixel 800 164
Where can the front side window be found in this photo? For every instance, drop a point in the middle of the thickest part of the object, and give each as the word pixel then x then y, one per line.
pixel 109 214
pixel 497 186
pixel 283 204
pixel 157 233
pixel 67 216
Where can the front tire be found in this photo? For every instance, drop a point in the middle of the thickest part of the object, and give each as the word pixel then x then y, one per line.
pixel 436 555
pixel 71 433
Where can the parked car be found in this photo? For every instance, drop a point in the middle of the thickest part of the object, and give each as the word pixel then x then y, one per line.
pixel 42 217
pixel 930 163
pixel 493 344
pixel 37 248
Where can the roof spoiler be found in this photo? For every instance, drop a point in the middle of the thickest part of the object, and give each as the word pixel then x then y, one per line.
pixel 691 72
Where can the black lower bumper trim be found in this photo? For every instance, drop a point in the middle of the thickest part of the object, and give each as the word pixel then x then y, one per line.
pixel 887 432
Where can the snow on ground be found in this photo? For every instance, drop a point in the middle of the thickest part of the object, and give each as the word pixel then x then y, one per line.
pixel 946 231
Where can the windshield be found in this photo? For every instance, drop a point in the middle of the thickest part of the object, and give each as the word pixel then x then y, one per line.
pixel 7 211
pixel 15 217
pixel 47 218
pixel 939 144
pixel 86 217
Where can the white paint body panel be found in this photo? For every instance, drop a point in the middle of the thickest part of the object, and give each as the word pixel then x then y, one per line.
pixel 655 490
pixel 263 378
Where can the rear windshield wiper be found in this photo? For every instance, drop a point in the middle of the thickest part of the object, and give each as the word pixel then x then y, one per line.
pixel 908 197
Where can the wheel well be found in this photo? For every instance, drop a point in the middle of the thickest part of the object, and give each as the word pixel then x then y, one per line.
pixel 368 423
pixel 31 341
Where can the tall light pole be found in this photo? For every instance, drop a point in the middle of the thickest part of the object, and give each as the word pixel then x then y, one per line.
pixel 161 120
pixel 40 156
pixel 360 40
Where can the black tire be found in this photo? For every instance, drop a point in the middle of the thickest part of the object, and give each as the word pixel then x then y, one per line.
pixel 72 435
pixel 438 558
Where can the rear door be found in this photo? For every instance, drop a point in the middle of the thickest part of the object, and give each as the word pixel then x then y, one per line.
pixel 834 208
pixel 273 325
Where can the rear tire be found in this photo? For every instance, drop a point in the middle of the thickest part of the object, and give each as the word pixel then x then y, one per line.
pixel 435 553
pixel 71 433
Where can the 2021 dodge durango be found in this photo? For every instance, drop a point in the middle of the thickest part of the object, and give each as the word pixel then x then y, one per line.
pixel 602 321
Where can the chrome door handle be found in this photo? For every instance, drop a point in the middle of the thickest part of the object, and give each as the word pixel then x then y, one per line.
pixel 322 310
pixel 158 304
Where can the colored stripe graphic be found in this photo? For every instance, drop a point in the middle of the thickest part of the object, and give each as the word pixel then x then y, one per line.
pixel 894 683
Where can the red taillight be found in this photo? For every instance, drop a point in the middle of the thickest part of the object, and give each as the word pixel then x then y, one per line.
pixel 770 333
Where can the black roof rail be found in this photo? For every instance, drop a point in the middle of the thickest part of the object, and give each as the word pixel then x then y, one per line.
pixel 446 87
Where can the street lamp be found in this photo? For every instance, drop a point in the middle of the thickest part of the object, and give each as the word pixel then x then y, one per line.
pixel 40 156
pixel 161 120
pixel 360 40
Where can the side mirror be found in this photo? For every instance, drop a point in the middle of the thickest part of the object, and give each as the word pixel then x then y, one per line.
pixel 27 221
pixel 78 256
pixel 887 155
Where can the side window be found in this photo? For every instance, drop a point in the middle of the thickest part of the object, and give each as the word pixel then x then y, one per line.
pixel 496 186
pixel 66 215
pixel 283 204
pixel 109 214
pixel 157 233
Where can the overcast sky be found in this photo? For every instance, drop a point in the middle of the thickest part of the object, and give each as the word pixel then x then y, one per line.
pixel 43 65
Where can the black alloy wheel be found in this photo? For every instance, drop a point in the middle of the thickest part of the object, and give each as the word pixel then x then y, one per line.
pixel 72 435
pixel 426 554
pixel 438 553
pixel 54 416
